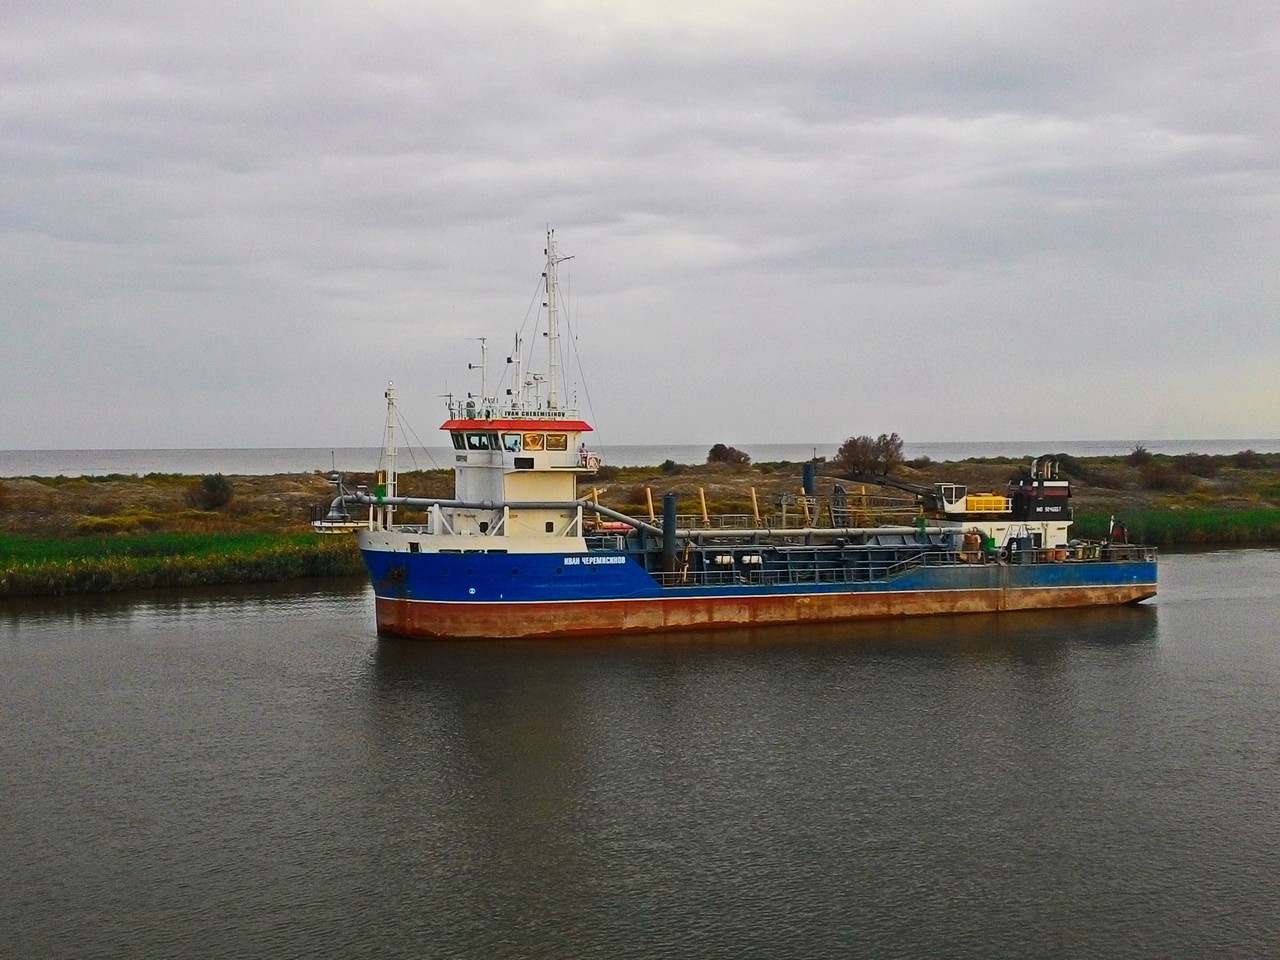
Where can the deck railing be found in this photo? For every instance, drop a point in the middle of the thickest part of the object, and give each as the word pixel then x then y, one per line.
pixel 883 570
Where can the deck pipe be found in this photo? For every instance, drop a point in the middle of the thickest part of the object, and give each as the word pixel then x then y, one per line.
pixel 809 479
pixel 669 533
pixel 668 519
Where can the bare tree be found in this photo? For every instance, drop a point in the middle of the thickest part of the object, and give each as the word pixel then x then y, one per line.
pixel 863 456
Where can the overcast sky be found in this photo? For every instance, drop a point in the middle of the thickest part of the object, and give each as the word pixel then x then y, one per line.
pixel 231 223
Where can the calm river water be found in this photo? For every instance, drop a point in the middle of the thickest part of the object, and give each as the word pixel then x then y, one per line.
pixel 251 773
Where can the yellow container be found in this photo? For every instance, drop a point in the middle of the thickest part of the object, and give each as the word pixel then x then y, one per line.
pixel 986 503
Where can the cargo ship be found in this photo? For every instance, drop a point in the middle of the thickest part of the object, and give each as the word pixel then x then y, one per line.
pixel 517 552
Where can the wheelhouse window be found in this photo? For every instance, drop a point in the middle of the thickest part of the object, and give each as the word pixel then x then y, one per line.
pixel 511 442
pixel 459 442
pixel 482 441
pixel 533 441
pixel 557 441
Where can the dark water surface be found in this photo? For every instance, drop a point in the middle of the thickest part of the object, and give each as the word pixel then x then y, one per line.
pixel 249 772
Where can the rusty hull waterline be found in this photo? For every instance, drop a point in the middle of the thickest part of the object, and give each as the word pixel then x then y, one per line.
pixel 531 620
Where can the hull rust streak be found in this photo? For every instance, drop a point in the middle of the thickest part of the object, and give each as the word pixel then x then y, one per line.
pixel 594 617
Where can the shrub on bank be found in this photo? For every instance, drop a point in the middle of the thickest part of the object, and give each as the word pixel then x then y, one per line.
pixel 212 492
pixel 128 521
pixel 864 456
pixel 723 454
pixel 1155 475
pixel 1247 460
pixel 1198 464
pixel 1140 455
pixel 1069 466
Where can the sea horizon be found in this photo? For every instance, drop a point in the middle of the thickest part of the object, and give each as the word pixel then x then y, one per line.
pixel 272 460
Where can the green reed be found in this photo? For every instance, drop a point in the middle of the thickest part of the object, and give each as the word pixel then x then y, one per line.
pixel 1186 526
pixel 31 567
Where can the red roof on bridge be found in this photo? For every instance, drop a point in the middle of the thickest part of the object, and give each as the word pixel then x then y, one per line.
pixel 560 426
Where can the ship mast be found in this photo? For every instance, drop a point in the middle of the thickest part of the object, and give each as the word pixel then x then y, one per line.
pixel 517 359
pixel 553 323
pixel 483 367
pixel 389 453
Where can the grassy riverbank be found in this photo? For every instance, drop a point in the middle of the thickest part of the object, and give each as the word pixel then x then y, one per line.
pixel 1188 527
pixel 97 534
pixel 32 566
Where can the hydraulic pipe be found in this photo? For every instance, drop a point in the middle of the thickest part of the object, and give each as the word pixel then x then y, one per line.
pixel 669 533
pixel 698 533
pixel 809 479
pixel 668 518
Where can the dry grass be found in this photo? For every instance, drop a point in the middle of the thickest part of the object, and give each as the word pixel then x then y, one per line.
pixel 68 507
pixel 62 507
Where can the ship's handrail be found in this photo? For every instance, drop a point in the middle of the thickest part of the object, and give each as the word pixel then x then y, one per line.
pixel 881 571
pixel 518 412
pixel 855 573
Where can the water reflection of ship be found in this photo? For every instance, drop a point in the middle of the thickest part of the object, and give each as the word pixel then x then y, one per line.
pixel 542 710
pixel 492 755
pixel 546 773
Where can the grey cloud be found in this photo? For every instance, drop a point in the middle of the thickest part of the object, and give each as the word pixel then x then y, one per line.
pixel 207 202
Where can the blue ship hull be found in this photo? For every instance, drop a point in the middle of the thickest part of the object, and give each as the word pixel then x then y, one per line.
pixel 530 595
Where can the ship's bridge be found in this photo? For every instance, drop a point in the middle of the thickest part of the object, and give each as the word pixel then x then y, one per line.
pixel 520 457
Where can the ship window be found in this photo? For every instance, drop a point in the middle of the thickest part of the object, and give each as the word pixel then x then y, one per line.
pixel 414 546
pixel 551 527
pixel 524 463
pixel 477 441
pixel 557 441
pixel 458 442
pixel 511 442
pixel 484 526
pixel 533 441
